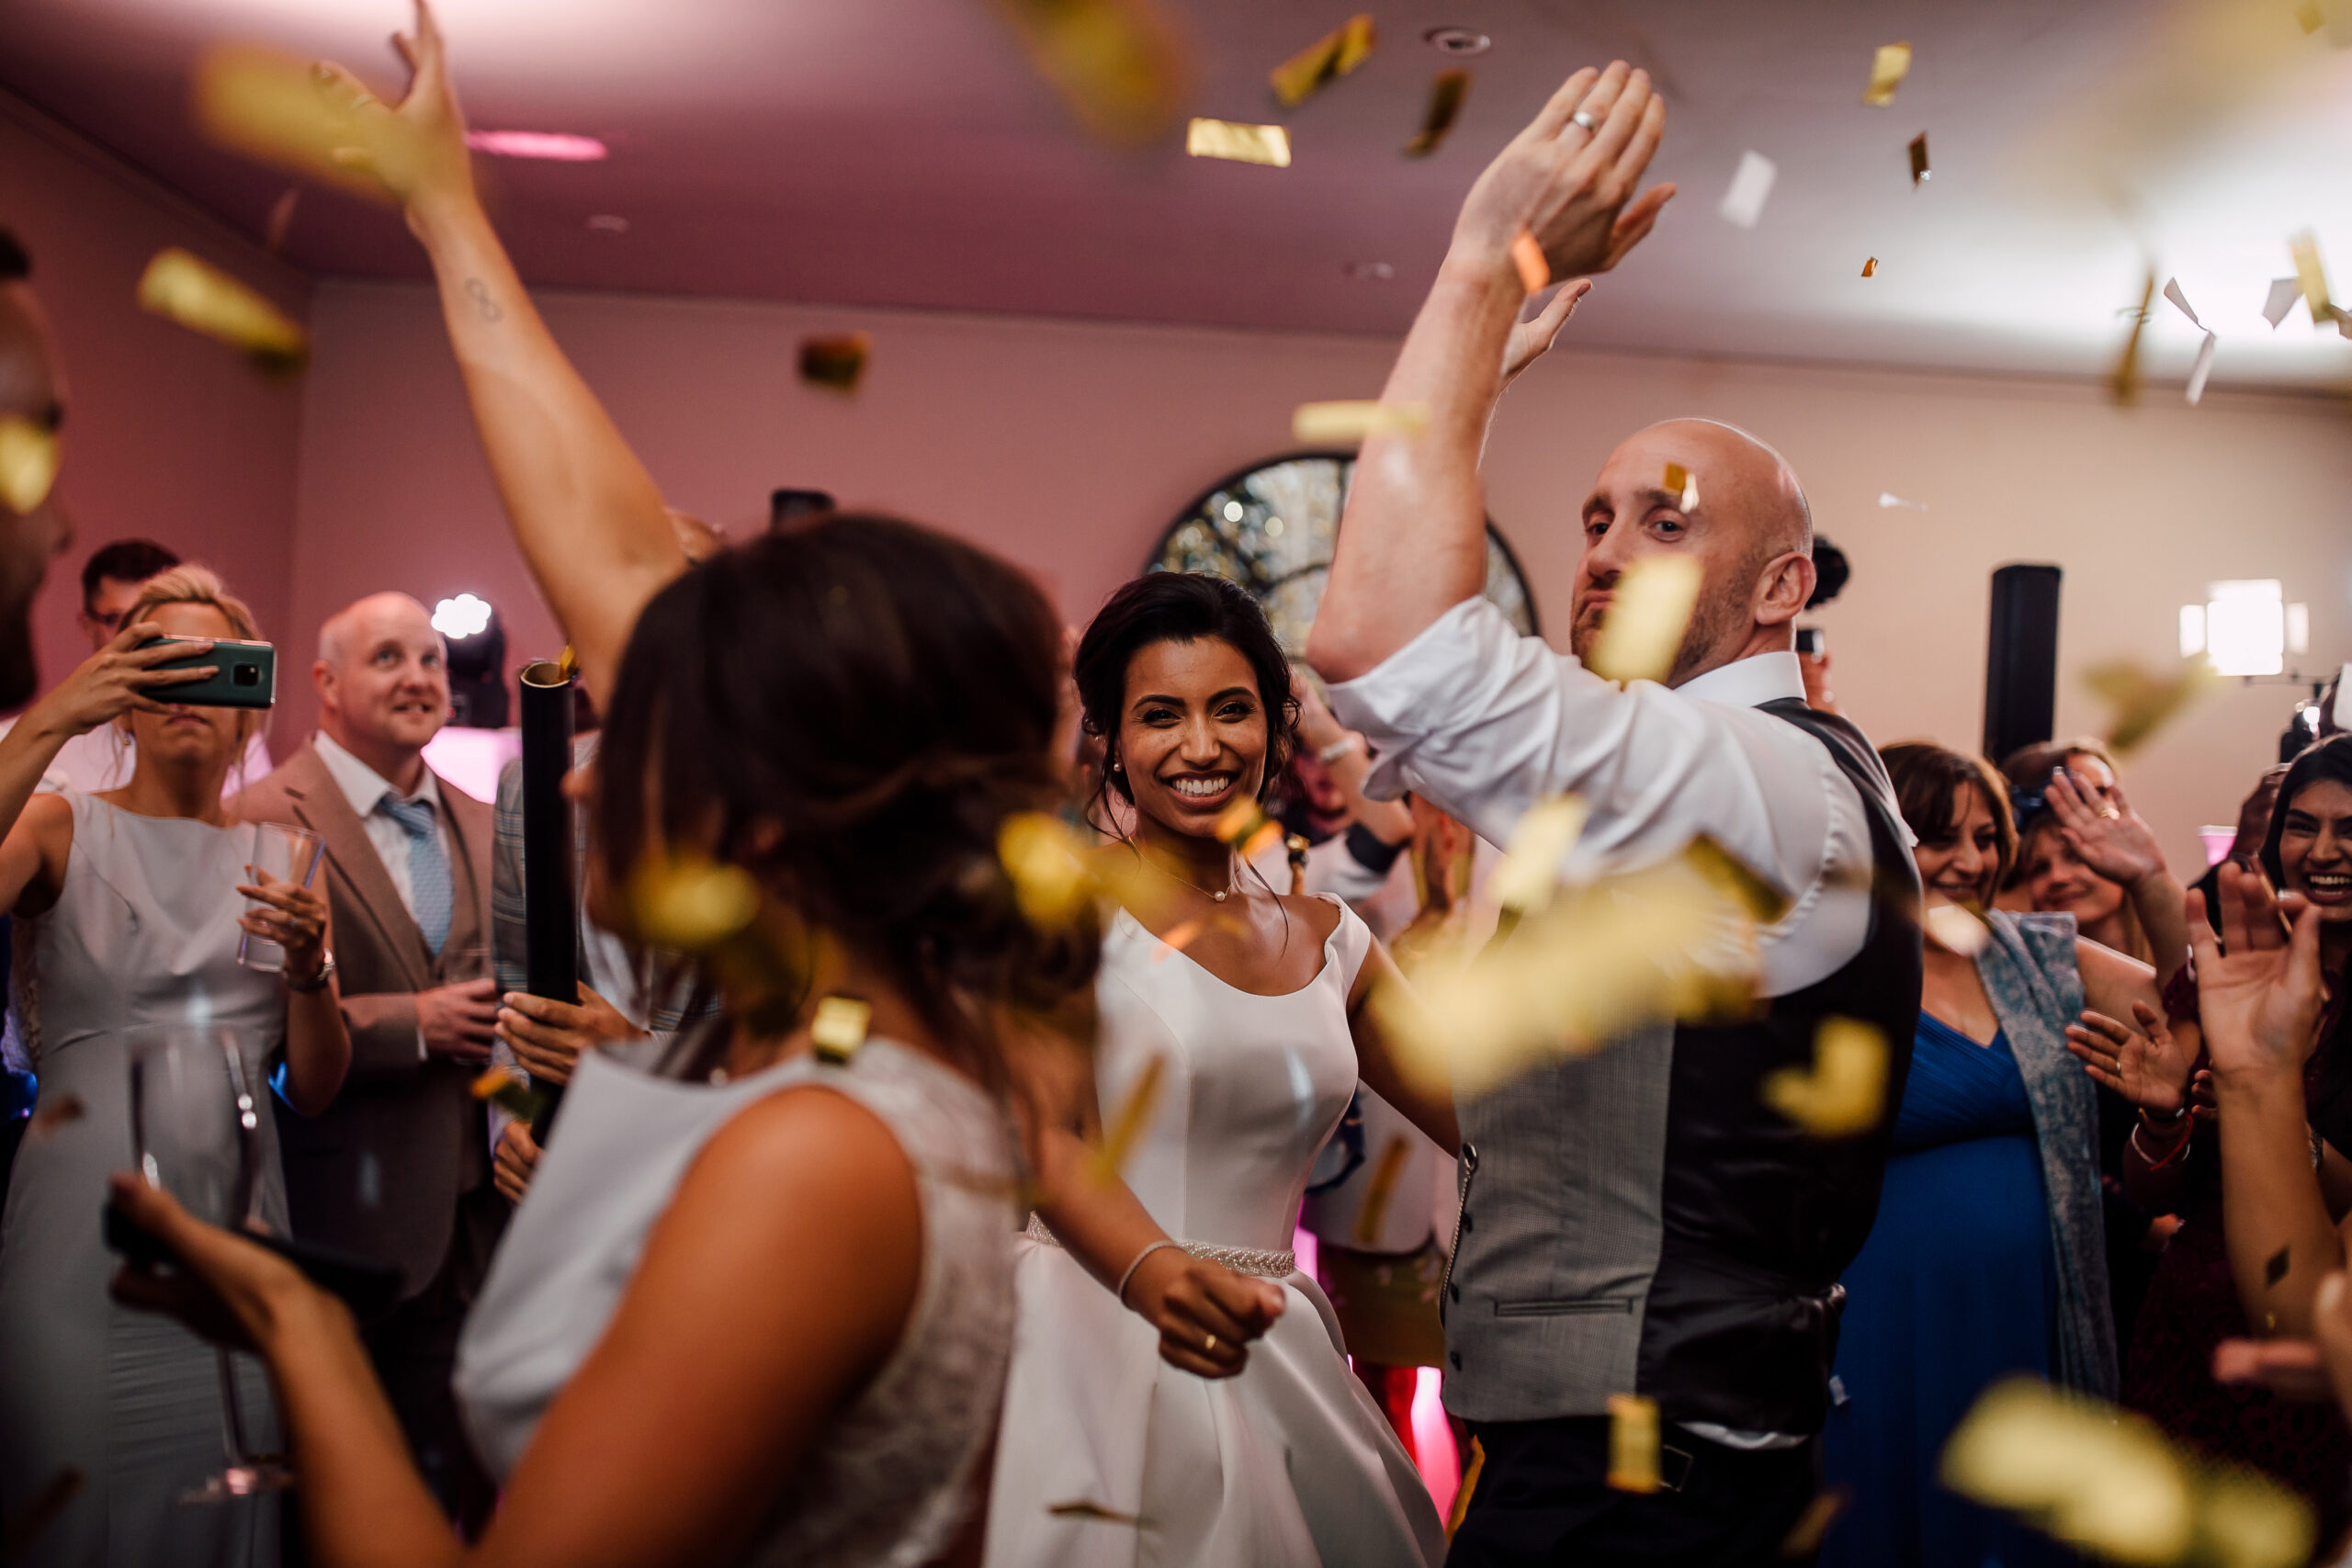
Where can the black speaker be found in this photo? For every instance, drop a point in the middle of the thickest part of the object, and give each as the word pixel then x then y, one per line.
pixel 2021 659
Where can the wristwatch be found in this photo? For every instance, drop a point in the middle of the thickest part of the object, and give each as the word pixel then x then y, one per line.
pixel 317 982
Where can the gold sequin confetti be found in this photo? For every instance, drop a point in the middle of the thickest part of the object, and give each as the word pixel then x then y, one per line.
pixel 198 296
pixel 1641 631
pixel 691 905
pixel 29 454
pixel 2142 701
pixel 1530 872
pixel 2309 17
pixel 1889 65
pixel 837 363
pixel 1844 1092
pixel 1340 423
pixel 1448 91
pixel 1683 486
pixel 1046 862
pixel 1869 268
pixel 285 110
pixel 1919 159
pixel 40 1511
pixel 2246 1520
pixel 1379 1190
pixel 1804 1540
pixel 511 1092
pixel 1534 271
pixel 1239 821
pixel 1094 1511
pixel 2123 382
pixel 1125 1126
pixel 55 1113
pixel 1239 143
pixel 838 1028
pixel 2310 274
pixel 1751 186
pixel 1325 60
pixel 1957 928
pixel 1633 1443
pixel 1119 66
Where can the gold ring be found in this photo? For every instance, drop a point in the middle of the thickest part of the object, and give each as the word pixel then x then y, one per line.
pixel 2110 813
pixel 1211 1345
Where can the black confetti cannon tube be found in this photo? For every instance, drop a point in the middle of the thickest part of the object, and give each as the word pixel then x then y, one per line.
pixel 550 908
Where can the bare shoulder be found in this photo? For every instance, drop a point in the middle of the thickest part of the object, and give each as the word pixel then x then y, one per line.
pixel 815 1141
pixel 1319 915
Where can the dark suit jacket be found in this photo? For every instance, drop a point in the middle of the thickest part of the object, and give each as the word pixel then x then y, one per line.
pixel 385 1170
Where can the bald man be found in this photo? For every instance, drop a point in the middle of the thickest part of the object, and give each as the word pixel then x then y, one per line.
pixel 1637 1220
pixel 397 1169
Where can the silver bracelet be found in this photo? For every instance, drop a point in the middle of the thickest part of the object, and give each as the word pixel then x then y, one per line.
pixel 1129 1277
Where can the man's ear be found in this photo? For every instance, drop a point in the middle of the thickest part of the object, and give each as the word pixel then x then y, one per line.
pixel 1783 589
pixel 322 679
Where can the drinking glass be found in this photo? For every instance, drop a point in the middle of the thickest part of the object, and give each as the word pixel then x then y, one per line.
pixel 289 855
pixel 195 1127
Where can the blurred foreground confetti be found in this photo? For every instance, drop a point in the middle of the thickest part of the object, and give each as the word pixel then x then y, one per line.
pixel 282 109
pixel 1527 256
pixel 1642 630
pixel 1845 1091
pixel 838 1027
pixel 1751 185
pixel 28 459
pixel 182 288
pixel 1094 1511
pixel 511 1092
pixel 1633 1443
pixel 1126 1125
pixel 2204 366
pixel 2123 382
pixel 1325 60
pixel 1239 143
pixel 1957 928
pixel 837 363
pixel 2143 701
pixel 1343 422
pixel 691 905
pixel 1530 872
pixel 1869 268
pixel 1919 159
pixel 1448 89
pixel 1889 65
pixel 1888 500
pixel 1120 67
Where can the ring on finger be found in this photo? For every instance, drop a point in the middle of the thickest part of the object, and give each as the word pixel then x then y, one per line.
pixel 1585 122
pixel 1208 1345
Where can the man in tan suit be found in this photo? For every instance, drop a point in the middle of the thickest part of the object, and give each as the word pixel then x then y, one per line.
pixel 398 1169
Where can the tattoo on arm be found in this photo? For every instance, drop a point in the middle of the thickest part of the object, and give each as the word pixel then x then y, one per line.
pixel 482 302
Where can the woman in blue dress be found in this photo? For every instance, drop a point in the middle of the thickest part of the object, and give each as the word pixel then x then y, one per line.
pixel 1988 1258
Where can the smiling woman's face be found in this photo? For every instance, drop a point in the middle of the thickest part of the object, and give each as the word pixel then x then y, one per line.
pixel 1193 733
pixel 2315 847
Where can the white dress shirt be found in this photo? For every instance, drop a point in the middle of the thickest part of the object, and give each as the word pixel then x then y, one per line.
pixel 1487 723
pixel 366 788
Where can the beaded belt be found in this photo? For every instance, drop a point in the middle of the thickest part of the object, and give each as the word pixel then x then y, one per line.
pixel 1250 1260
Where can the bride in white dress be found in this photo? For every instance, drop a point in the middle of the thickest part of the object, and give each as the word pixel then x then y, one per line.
pixel 1179 1391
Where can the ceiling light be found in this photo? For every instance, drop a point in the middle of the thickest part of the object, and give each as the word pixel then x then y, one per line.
pixel 1458 40
pixel 462 616
pixel 1370 272
pixel 607 223
pixel 2244 627
pixel 557 146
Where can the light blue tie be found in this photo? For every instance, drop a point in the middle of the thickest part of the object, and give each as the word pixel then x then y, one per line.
pixel 428 868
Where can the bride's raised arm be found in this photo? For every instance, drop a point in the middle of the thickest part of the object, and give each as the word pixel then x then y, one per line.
pixel 587 514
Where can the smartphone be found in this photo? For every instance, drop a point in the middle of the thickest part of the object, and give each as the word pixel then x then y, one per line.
pixel 246 676
pixel 1812 641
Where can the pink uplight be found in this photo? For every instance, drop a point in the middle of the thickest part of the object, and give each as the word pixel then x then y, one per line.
pixel 558 146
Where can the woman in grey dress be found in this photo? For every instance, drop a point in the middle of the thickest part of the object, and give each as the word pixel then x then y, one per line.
pixel 128 909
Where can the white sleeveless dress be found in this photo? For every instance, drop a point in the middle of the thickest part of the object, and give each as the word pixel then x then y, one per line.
pixel 889 1484
pixel 1290 1464
pixel 143 933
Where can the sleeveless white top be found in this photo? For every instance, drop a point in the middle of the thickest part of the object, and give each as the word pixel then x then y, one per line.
pixel 889 1483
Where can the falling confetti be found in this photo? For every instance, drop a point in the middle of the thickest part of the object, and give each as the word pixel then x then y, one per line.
pixel 1641 633
pixel 1094 1511
pixel 510 1092
pixel 2275 1269
pixel 2310 274
pixel 1238 142
pixel 2123 382
pixel 1957 928
pixel 2284 292
pixel 2142 701
pixel 690 905
pixel 1341 422
pixel 281 218
pixel 838 363
pixel 1804 1539
pixel 1448 91
pixel 2309 17
pixel 1127 1125
pixel 61 1111
pixel 282 109
pixel 1325 60
pixel 1534 272
pixel 1889 65
pixel 1743 204
pixel 1869 268
pixel 1681 485
pixel 1890 501
pixel 838 1028
pixel 1379 1190
pixel 28 459
pixel 1845 1090
pixel 198 296
pixel 1530 872
pixel 1633 1443
pixel 1119 66
pixel 1045 861
pixel 1919 159
pixel 2204 365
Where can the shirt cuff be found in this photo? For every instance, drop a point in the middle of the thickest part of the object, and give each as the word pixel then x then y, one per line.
pixel 1434 677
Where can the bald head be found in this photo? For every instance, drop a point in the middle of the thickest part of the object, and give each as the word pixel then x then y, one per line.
pixel 1748 526
pixel 383 683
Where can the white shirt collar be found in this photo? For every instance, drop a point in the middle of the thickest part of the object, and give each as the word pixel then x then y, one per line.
pixel 364 787
pixel 1749 683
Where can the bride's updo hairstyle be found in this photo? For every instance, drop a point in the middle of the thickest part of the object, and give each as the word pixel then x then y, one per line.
pixel 1181 606
pixel 849 710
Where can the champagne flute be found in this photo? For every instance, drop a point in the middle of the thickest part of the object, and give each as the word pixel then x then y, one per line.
pixel 195 1127
pixel 289 855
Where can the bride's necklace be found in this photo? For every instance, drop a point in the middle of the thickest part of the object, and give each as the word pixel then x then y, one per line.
pixel 1218 894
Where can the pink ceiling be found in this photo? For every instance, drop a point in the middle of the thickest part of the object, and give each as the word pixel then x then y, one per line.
pixel 901 152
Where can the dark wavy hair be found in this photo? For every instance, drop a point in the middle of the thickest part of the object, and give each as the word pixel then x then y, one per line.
pixel 2331 1068
pixel 1181 606
pixel 1927 780
pixel 849 710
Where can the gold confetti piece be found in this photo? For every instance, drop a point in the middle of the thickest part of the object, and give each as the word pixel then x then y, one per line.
pixel 1119 1137
pixel 838 1028
pixel 1178 938
pixel 568 664
pixel 1682 486
pixel 1379 1190
pixel 1448 91
pixel 1530 872
pixel 2144 702
pixel 511 1092
pixel 691 905
pixel 1325 60
pixel 1633 1443
pixel 61 1111
pixel 1919 159
pixel 1341 423
pixel 1751 185
pixel 1869 268
pixel 1957 928
pixel 28 458
pixel 2247 1520
pixel 1888 67
pixel 1118 65
pixel 2123 382
pixel 1258 843
pixel 280 109
pixel 1534 271
pixel 2275 1269
pixel 1044 859
pixel 2309 17
pixel 1239 821
pixel 27 1525
pixel 1804 1540
pixel 1641 631
pixel 200 296
pixel 1095 1511
pixel 1239 143
pixel 835 362
pixel 1845 1091
pixel 1736 879
pixel 2311 275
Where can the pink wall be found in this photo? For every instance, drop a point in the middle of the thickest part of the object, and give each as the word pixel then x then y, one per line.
pixel 167 434
pixel 1068 447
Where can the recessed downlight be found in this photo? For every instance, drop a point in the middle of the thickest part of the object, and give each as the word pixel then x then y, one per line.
pixel 1458 40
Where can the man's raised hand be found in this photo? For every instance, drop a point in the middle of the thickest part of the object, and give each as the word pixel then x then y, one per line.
pixel 1569 179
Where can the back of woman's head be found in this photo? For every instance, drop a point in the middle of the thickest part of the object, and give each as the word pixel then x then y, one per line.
pixel 1183 606
pixel 849 710
pixel 2330 761
pixel 1928 781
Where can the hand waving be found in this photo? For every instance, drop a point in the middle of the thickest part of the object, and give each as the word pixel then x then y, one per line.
pixel 2260 1001
pixel 2146 1066
pixel 120 677
pixel 1572 186
pixel 415 149
pixel 2112 839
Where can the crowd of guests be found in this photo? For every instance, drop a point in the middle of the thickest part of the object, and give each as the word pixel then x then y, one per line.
pixel 914 1223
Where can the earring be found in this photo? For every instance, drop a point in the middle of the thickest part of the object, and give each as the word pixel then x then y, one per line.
pixel 1117 766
